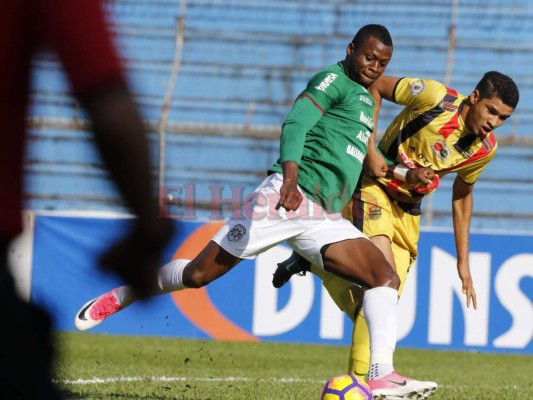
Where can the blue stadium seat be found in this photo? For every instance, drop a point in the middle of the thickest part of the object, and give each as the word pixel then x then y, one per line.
pixel 244 62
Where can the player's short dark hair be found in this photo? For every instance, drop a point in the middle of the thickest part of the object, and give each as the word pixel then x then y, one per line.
pixel 496 84
pixel 372 30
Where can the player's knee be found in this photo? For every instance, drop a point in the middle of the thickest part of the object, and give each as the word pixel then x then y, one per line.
pixel 387 277
pixel 391 279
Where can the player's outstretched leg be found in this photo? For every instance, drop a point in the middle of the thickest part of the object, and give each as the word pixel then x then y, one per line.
pixel 95 311
pixel 295 264
pixel 212 262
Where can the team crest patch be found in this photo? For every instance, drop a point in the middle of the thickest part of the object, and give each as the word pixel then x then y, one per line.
pixel 374 213
pixel 417 87
pixel 441 149
pixel 236 233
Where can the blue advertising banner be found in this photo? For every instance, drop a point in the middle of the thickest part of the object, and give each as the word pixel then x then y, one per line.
pixel 243 305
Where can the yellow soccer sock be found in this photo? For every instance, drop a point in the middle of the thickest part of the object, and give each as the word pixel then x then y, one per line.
pixel 359 361
pixel 349 298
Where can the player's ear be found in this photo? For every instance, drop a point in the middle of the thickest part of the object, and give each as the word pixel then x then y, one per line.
pixel 350 49
pixel 474 96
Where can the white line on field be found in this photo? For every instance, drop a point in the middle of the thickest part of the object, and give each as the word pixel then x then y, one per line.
pixel 97 381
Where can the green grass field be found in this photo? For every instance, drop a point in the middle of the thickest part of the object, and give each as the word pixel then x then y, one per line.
pixel 124 367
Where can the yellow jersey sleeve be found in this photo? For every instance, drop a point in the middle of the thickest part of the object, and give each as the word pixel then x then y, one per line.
pixel 419 94
pixel 471 172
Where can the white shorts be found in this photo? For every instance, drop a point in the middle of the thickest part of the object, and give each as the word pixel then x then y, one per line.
pixel 258 226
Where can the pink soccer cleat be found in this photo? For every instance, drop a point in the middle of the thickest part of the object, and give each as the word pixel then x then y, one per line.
pixel 397 387
pixel 96 310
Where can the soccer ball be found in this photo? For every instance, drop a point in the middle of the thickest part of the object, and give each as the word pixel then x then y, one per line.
pixel 346 387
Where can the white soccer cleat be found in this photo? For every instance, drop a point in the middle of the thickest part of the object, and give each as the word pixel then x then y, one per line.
pixel 397 387
pixel 96 310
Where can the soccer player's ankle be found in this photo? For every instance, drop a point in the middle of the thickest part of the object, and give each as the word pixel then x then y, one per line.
pixel 380 362
pixel 360 376
pixel 124 296
pixel 359 368
pixel 379 370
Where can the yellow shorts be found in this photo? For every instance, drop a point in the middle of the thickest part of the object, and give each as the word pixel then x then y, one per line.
pixel 374 213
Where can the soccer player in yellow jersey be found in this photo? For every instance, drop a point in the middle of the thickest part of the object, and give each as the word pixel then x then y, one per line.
pixel 439 131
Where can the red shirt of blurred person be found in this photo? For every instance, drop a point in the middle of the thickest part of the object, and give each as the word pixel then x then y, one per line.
pixel 77 31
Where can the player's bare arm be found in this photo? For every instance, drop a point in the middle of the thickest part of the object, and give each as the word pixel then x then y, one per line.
pixel 290 197
pixel 382 88
pixel 374 164
pixel 415 176
pixel 462 205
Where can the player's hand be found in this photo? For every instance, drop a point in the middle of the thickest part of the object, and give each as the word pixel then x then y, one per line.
pixel 423 180
pixel 468 290
pixel 290 197
pixel 137 257
pixel 420 176
pixel 434 184
pixel 375 165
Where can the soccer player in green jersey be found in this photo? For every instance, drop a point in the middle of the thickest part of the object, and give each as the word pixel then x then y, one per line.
pixel 439 131
pixel 323 144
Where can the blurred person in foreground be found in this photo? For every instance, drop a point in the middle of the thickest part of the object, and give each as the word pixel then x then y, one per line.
pixel 77 31
pixel 323 144
pixel 440 131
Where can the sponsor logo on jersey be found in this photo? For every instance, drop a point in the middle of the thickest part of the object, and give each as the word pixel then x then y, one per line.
pixel 355 152
pixel 366 120
pixel 327 81
pixel 448 106
pixel 236 233
pixel 421 159
pixel 365 99
pixel 417 87
pixel 441 149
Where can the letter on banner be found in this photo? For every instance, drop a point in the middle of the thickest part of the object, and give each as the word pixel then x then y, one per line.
pixel 507 287
pixel 267 319
pixel 445 283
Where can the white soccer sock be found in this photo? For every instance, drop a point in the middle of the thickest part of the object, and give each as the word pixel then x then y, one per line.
pixel 169 279
pixel 170 276
pixel 380 308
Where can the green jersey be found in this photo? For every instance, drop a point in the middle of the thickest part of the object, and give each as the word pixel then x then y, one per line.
pixel 326 133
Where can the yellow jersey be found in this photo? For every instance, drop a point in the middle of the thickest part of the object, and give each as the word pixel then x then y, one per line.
pixel 429 132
